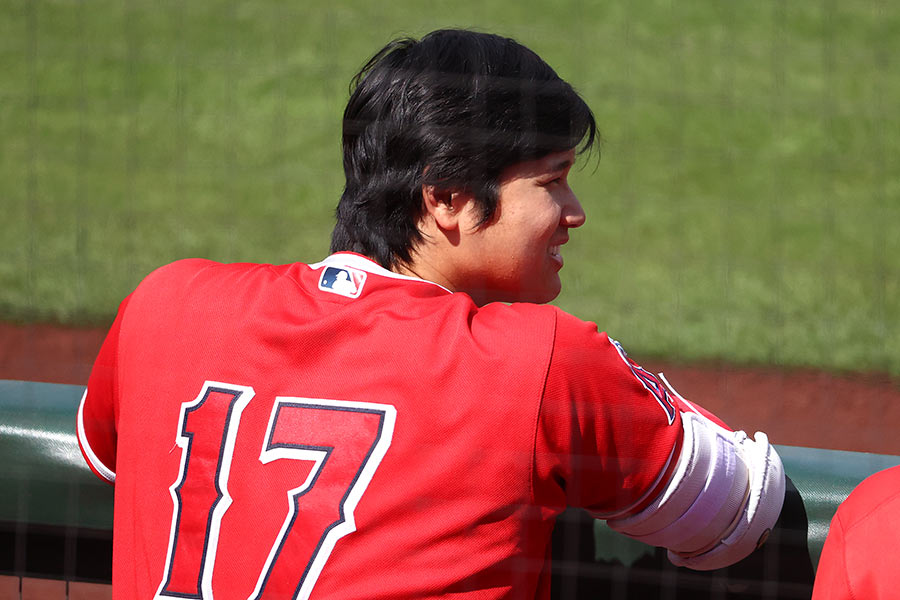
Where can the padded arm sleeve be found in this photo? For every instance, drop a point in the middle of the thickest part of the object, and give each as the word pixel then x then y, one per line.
pixel 721 502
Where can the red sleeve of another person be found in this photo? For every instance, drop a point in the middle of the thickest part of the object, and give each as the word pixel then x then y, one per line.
pixel 858 559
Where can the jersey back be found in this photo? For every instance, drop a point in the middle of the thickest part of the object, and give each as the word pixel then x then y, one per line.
pixel 328 431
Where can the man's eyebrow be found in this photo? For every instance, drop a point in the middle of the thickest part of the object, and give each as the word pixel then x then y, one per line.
pixel 561 165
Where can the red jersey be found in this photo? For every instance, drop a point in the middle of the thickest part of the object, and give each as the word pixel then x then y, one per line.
pixel 337 430
pixel 858 560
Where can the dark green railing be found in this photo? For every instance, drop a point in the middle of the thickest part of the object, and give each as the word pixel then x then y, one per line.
pixel 47 490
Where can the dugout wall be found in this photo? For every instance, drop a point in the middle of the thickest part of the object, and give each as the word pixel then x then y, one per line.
pixel 56 519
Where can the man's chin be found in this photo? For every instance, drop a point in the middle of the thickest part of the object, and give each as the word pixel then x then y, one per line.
pixel 544 298
pixel 547 292
pixel 539 293
pixel 533 296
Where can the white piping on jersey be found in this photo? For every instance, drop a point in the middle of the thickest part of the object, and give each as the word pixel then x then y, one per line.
pixel 357 261
pixel 102 469
pixel 677 395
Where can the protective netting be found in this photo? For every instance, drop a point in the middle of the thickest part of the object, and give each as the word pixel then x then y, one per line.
pixel 744 210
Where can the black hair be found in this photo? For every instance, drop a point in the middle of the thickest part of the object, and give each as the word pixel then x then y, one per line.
pixel 452 110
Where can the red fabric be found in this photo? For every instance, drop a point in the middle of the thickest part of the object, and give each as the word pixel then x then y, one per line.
pixel 254 418
pixel 859 558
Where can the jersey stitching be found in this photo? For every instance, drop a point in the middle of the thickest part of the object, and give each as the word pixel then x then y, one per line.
pixel 117 393
pixel 289 276
pixel 540 409
pixel 115 374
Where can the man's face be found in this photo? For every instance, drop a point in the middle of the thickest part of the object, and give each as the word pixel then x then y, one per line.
pixel 516 257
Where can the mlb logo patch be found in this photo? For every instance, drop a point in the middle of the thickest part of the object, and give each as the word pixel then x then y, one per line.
pixel 344 281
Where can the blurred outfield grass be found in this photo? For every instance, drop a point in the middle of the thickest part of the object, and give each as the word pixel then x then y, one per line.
pixel 746 206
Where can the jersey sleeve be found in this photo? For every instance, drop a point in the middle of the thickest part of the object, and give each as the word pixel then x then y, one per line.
pixel 653 465
pixel 609 431
pixel 97 413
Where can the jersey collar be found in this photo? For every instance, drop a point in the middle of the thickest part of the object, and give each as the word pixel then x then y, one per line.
pixel 364 263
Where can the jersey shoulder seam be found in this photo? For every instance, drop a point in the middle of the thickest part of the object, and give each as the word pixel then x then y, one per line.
pixel 541 399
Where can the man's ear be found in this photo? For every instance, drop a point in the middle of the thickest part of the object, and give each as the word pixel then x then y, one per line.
pixel 445 206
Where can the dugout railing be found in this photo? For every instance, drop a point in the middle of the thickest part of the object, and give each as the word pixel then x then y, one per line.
pixel 56 520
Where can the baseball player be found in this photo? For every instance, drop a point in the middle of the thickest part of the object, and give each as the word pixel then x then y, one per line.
pixel 407 417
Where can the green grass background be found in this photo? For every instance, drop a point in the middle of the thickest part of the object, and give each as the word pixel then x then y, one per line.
pixel 745 207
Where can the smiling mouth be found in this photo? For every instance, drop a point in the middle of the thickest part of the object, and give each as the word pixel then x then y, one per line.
pixel 555 254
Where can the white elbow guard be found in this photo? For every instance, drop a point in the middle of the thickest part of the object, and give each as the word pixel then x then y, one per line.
pixel 723 499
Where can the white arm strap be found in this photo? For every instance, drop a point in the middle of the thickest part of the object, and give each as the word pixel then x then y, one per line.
pixel 722 500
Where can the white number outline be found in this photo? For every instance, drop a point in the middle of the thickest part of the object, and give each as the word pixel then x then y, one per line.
pixel 347 508
pixel 242 398
pixel 351 498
